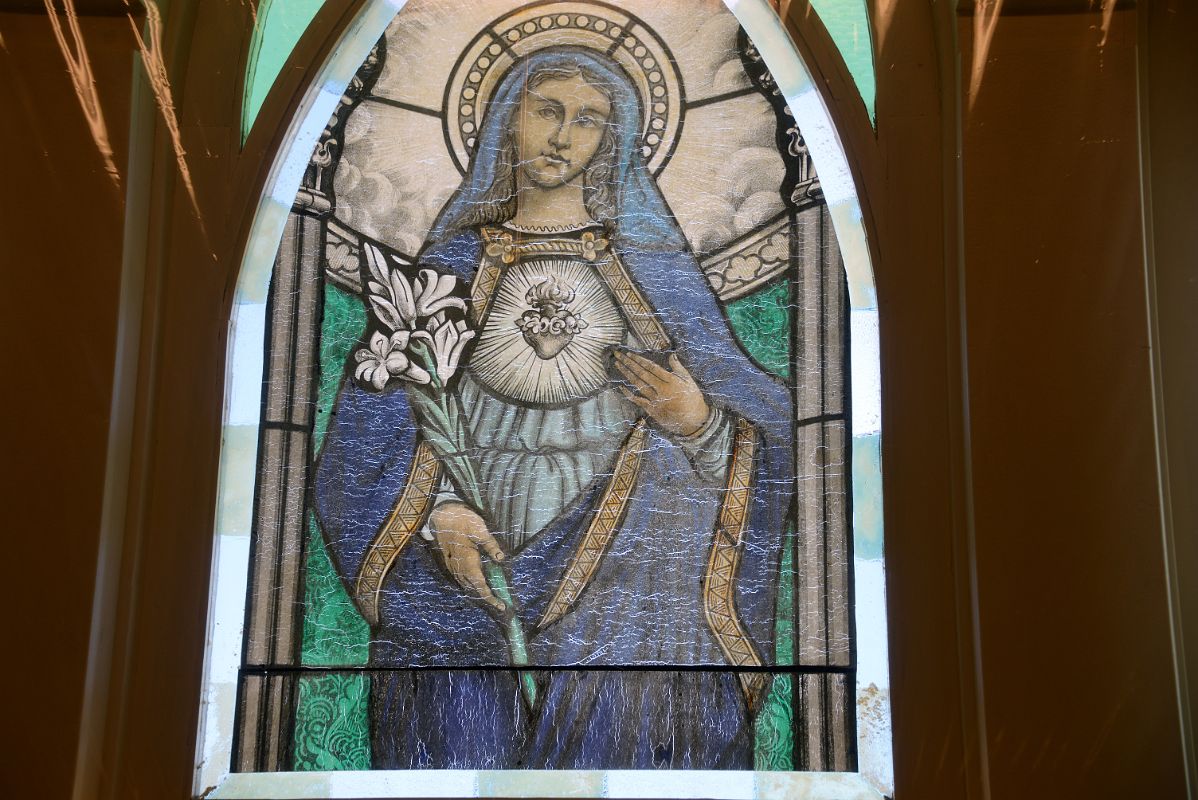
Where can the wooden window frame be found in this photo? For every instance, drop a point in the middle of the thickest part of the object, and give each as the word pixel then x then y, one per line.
pixel 140 734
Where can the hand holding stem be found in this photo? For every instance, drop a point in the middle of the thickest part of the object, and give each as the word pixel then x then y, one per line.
pixel 462 539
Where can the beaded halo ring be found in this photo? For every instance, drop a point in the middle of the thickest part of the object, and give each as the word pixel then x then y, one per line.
pixel 621 36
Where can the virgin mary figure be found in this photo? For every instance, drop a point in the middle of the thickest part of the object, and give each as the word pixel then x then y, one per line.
pixel 635 469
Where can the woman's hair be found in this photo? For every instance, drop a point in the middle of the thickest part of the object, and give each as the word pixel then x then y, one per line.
pixel 498 203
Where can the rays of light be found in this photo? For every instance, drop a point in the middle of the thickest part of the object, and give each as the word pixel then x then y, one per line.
pixel 985 22
pixel 160 84
pixel 70 42
pixel 1108 13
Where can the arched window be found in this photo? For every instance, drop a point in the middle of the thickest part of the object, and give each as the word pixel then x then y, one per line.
pixel 552 426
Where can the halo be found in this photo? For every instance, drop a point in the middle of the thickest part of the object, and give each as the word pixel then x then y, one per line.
pixel 609 30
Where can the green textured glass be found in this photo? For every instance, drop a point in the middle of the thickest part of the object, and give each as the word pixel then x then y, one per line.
pixel 332 722
pixel 335 635
pixel 340 329
pixel 773 742
pixel 332 731
pixel 761 321
pixel 334 632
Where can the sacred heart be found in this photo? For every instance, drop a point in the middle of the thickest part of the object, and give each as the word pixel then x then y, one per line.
pixel 548 325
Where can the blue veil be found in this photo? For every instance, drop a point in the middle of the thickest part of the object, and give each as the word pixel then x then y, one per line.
pixel 642 217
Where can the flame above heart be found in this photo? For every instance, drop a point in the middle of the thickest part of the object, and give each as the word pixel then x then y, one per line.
pixel 548 325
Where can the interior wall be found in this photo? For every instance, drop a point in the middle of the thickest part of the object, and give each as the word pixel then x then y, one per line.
pixel 61 224
pixel 1076 693
pixel 1168 63
pixel 1076 652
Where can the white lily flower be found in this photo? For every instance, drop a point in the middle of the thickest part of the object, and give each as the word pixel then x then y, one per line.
pixel 376 262
pixel 412 310
pixel 391 294
pixel 449 340
pixel 434 293
pixel 404 298
pixel 386 357
pixel 386 312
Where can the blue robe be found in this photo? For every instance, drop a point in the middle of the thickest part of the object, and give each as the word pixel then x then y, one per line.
pixel 643 607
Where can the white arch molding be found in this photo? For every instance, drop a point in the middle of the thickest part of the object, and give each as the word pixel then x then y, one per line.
pixel 244 368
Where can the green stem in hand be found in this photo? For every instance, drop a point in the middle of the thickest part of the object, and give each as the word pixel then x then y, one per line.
pixel 516 640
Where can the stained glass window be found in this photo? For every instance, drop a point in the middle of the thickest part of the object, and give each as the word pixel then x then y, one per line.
pixel 551 439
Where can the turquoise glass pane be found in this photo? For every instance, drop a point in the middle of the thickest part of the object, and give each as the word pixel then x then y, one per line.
pixel 847 22
pixel 279 26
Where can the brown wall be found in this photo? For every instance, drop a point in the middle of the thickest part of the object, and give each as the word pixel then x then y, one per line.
pixel 1074 627
pixel 62 229
pixel 1169 101
pixel 1017 389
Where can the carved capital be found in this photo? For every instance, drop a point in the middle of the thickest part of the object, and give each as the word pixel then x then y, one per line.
pixel 800 187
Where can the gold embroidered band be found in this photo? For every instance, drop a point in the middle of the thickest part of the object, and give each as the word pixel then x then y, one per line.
pixel 482 289
pixel 636 308
pixel 407 516
pixel 719 582
pixel 504 247
pixel 599 534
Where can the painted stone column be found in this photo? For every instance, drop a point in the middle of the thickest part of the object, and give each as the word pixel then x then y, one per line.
pixel 275 604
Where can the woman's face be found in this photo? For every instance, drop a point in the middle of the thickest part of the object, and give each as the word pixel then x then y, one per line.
pixel 558 129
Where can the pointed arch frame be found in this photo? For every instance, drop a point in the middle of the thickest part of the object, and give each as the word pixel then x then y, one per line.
pixel 151 584
pixel 282 224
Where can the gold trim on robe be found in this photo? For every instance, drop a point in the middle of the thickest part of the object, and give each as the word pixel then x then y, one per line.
pixel 501 245
pixel 723 561
pixel 641 316
pixel 486 279
pixel 406 518
pixel 609 515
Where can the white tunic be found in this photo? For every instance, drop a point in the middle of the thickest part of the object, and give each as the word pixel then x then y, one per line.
pixel 543 428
